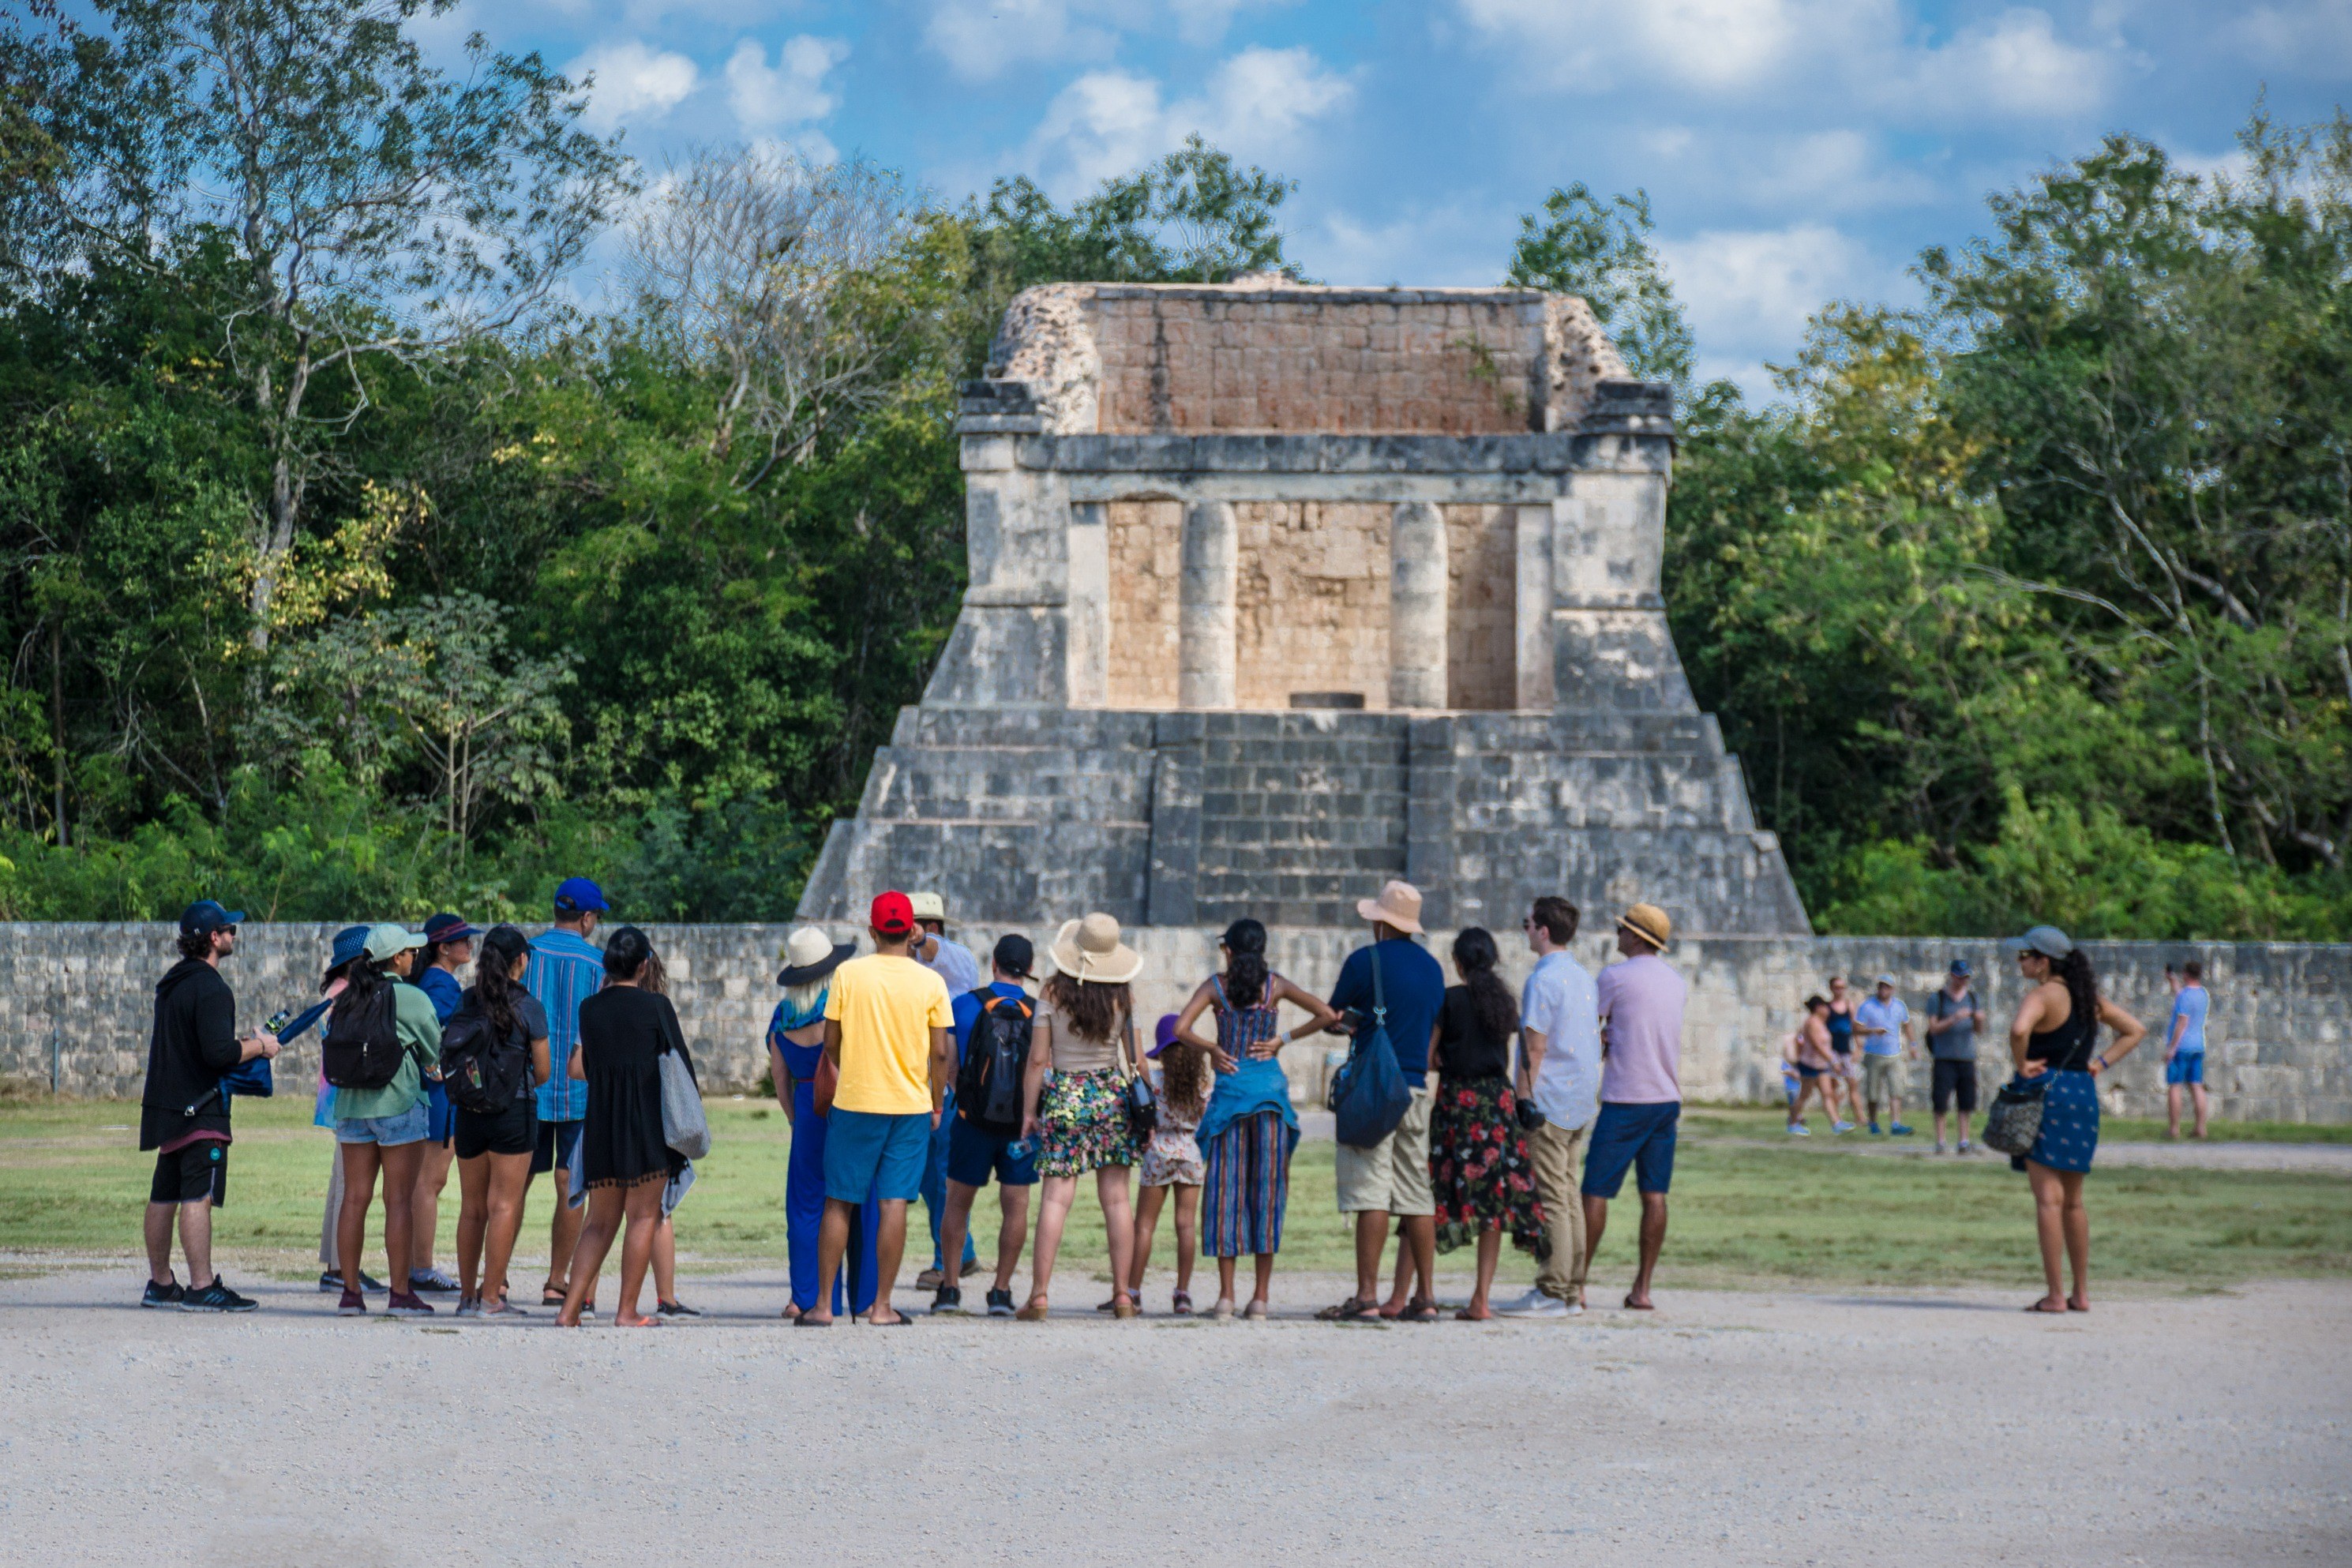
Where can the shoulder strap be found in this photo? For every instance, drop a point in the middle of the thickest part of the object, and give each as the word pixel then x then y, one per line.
pixel 1133 1062
pixel 1380 997
pixel 1217 984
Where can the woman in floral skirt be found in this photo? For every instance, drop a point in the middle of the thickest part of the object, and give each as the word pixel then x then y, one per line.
pixel 1084 1037
pixel 1479 1165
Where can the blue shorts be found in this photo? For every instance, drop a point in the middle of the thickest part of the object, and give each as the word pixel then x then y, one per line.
pixel 387 1131
pixel 1642 1136
pixel 555 1142
pixel 974 1155
pixel 440 1115
pixel 2186 1067
pixel 869 1150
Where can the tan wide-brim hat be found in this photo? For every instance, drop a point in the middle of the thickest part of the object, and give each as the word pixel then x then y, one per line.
pixel 1089 950
pixel 1649 923
pixel 1399 905
pixel 928 907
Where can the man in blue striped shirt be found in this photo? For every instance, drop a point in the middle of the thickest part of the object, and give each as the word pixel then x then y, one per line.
pixel 566 969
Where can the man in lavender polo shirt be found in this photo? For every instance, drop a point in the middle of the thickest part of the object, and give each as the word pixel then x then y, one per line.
pixel 1641 1087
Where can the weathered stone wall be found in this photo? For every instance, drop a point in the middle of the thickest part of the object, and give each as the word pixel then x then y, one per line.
pixel 1146 556
pixel 82 995
pixel 1482 607
pixel 1313 603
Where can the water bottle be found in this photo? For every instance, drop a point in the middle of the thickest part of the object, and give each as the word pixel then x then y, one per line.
pixel 1020 1148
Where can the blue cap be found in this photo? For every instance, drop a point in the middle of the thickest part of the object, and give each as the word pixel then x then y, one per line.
pixel 205 916
pixel 1960 967
pixel 578 894
pixel 350 942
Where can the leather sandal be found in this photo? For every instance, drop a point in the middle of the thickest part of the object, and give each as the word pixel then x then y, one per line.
pixel 1034 1312
pixel 1353 1309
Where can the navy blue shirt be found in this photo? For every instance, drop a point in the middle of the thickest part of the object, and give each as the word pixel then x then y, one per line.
pixel 1414 988
pixel 442 988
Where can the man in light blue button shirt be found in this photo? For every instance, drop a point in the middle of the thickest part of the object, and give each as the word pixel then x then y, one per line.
pixel 566 969
pixel 1559 1071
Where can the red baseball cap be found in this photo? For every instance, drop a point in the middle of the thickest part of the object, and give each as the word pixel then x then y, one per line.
pixel 893 914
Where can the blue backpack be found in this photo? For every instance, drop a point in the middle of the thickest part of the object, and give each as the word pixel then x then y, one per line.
pixel 1368 1095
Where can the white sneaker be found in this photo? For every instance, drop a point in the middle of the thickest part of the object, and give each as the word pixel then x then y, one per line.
pixel 1535 1304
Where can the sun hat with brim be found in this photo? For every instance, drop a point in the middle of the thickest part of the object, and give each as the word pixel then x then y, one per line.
pixel 1089 950
pixel 2047 941
pixel 928 907
pixel 450 928
pixel 1885 980
pixel 386 940
pixel 1649 923
pixel 350 942
pixel 1399 905
pixel 810 956
pixel 1163 1036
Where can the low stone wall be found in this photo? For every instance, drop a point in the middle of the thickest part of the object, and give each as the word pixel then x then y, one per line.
pixel 76 1003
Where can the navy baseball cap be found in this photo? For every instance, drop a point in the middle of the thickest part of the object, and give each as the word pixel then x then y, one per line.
pixel 578 894
pixel 205 916
pixel 1960 967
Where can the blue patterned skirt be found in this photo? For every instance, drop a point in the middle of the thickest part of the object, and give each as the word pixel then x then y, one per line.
pixel 2069 1124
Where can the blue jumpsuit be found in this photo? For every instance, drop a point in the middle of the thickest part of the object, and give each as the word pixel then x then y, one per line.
pixel 804 1192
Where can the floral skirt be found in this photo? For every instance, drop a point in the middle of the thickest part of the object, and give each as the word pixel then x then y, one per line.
pixel 1173 1159
pixel 1479 1171
pixel 1083 1121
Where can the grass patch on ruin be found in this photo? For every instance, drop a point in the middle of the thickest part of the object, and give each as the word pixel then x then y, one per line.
pixel 1747 1210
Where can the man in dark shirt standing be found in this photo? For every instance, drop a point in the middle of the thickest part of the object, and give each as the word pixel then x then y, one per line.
pixel 183 1112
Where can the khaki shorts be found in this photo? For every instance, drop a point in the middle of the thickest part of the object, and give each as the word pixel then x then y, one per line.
pixel 1392 1175
pixel 1880 1079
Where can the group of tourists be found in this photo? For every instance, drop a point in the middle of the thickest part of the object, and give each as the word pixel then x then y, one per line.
pixel 904 1076
pixel 899 1084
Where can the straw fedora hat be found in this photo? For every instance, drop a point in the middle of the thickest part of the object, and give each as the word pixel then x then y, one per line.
pixel 1090 950
pixel 810 956
pixel 1399 905
pixel 1649 923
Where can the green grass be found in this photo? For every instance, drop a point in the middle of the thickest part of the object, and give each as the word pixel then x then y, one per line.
pixel 1749 1207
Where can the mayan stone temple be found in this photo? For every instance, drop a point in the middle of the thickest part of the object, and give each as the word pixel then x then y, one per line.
pixel 1279 591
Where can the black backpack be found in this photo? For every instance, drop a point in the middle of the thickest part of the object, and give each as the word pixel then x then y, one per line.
pixel 483 1073
pixel 988 1079
pixel 363 1047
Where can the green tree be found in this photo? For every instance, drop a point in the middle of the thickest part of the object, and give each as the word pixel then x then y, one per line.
pixel 1601 251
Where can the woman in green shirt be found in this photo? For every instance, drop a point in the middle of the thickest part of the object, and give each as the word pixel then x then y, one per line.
pixel 384 1129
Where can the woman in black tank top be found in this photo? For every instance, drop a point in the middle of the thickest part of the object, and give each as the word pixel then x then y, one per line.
pixel 2054 1035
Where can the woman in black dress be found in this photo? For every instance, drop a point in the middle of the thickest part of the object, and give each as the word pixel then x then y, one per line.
pixel 1479 1171
pixel 624 1030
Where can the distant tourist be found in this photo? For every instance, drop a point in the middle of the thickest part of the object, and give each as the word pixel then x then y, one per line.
pixel 1954 1017
pixel 1391 1177
pixel 667 1304
pixel 1845 1083
pixel 448 947
pixel 1481 1177
pixel 381 1122
pixel 1640 1001
pixel 994 1029
pixel 1883 1023
pixel 795 1049
pixel 566 969
pixel 1813 1062
pixel 888 1035
pixel 348 947
pixel 494 1147
pixel 1172 1162
pixel 183 1111
pixel 1249 1128
pixel 2184 1046
pixel 1559 1074
pixel 1081 1054
pixel 954 964
pixel 2053 1033
pixel 625 1031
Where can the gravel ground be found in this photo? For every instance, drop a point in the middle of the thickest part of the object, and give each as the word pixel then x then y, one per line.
pixel 1728 1427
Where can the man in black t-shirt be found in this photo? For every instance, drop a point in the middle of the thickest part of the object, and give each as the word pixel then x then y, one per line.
pixel 183 1111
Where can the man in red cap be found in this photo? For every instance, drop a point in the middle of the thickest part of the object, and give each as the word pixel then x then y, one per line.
pixel 887 1025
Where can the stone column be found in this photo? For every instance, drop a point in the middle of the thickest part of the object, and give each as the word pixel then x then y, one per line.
pixel 1532 644
pixel 1610 645
pixel 1417 593
pixel 1206 654
pixel 1089 605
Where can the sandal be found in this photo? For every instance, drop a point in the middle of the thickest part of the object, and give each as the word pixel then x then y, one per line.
pixel 1419 1310
pixel 808 1320
pixel 1122 1306
pixel 1180 1304
pixel 1222 1313
pixel 1353 1309
pixel 2042 1306
pixel 1034 1312
pixel 1254 1313
pixel 1633 1305
pixel 549 1297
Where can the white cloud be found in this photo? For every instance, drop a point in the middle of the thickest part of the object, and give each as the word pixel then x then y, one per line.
pixel 2308 36
pixel 789 96
pixel 1871 51
pixel 634 85
pixel 1205 21
pixel 1749 291
pixel 1257 105
pixel 980 39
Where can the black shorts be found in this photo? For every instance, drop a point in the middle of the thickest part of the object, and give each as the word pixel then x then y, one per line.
pixel 1955 1079
pixel 555 1142
pixel 514 1131
pixel 191 1173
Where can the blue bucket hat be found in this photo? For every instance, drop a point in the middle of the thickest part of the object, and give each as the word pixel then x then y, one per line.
pixel 350 942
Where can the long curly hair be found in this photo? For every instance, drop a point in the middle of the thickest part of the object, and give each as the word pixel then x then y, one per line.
pixel 495 986
pixel 1184 1076
pixel 1245 971
pixel 1475 956
pixel 2081 982
pixel 1092 1010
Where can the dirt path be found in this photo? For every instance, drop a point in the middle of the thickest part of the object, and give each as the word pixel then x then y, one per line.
pixel 1728 1427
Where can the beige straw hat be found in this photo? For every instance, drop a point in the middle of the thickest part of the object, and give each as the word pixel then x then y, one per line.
pixel 1649 923
pixel 1399 905
pixel 1090 950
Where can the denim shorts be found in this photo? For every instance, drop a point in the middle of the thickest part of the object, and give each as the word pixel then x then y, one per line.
pixel 1639 1135
pixel 875 1151
pixel 389 1131
pixel 2186 1067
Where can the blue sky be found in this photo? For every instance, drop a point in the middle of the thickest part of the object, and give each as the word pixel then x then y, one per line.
pixel 1796 150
